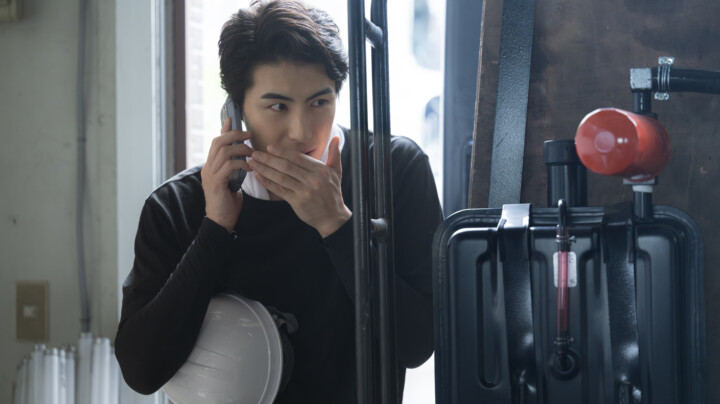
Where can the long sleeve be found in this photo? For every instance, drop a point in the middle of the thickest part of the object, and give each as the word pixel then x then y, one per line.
pixel 182 259
pixel 165 297
pixel 417 214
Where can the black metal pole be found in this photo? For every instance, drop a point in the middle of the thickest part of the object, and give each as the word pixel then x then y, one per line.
pixel 361 218
pixel 384 206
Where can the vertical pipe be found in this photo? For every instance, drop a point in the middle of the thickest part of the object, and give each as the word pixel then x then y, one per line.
pixel 95 373
pixel 384 207
pixel 84 363
pixel 81 168
pixel 642 102
pixel 51 385
pixel 105 371
pixel 62 379
pixel 70 375
pixel 642 202
pixel 358 130
pixel 566 176
pixel 36 374
pixel 562 309
pixel 100 389
pixel 114 378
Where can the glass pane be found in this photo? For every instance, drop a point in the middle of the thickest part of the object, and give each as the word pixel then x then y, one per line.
pixel 428 27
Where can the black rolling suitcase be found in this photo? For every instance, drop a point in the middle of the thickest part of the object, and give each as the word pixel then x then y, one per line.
pixel 636 322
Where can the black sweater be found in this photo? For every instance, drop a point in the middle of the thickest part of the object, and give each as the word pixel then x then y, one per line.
pixel 182 259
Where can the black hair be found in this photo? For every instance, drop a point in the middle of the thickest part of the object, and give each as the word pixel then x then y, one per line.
pixel 274 31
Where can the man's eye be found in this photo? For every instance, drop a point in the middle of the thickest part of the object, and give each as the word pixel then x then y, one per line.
pixel 319 102
pixel 278 107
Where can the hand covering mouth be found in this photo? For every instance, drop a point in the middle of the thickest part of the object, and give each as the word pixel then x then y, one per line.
pixel 252 186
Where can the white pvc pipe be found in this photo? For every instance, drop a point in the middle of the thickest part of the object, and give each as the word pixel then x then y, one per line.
pixel 95 376
pixel 100 391
pixel 83 367
pixel 114 378
pixel 70 376
pixel 36 374
pixel 105 369
pixel 58 375
pixel 62 379
pixel 51 376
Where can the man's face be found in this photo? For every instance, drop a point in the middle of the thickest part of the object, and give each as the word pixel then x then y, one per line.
pixel 292 106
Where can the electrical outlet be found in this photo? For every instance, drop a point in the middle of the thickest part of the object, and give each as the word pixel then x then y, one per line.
pixel 31 311
pixel 10 10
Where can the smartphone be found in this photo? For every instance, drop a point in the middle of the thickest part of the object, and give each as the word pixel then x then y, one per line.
pixel 232 111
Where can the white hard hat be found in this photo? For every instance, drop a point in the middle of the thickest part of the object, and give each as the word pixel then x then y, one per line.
pixel 237 356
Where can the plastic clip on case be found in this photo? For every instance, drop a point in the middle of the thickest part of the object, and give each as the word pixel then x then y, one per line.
pixel 636 317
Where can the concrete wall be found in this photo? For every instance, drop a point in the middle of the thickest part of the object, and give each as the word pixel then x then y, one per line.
pixel 38 153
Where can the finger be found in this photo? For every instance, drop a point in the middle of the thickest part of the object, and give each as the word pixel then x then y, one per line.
pixel 220 178
pixel 300 159
pixel 275 188
pixel 230 166
pixel 279 177
pixel 225 139
pixel 333 160
pixel 227 125
pixel 226 153
pixel 282 165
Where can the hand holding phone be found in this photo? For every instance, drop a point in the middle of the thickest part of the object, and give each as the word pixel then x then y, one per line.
pixel 232 111
pixel 223 205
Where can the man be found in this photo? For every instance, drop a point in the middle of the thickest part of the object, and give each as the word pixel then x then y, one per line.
pixel 285 240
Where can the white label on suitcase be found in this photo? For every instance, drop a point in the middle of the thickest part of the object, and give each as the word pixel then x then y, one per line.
pixel 572 269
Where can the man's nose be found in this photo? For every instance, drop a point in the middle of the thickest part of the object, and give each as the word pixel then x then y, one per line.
pixel 299 130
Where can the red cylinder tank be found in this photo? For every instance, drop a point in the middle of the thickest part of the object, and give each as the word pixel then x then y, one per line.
pixel 611 141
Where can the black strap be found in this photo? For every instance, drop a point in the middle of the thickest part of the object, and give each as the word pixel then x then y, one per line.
pixel 286 324
pixel 619 246
pixel 513 232
pixel 512 99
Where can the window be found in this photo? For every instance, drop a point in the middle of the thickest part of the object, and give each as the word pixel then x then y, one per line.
pixel 416 37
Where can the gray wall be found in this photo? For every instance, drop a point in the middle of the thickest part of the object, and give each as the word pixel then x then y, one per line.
pixel 38 57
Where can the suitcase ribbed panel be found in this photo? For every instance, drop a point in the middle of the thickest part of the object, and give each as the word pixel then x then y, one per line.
pixel 637 315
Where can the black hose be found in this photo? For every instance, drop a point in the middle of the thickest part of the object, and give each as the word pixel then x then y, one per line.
pixel 688 80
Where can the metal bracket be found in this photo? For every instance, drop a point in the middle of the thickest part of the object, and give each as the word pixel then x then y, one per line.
pixel 374 34
pixel 515 218
pixel 379 229
pixel 664 65
pixel 513 234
